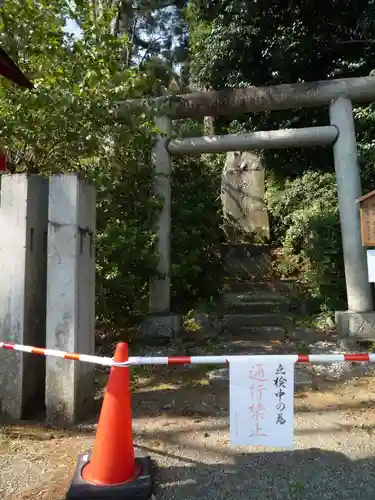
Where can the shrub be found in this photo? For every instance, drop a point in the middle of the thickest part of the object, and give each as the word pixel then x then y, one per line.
pixel 197 235
pixel 306 220
pixel 126 256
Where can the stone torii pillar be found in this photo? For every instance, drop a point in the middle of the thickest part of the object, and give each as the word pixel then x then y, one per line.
pixel 160 322
pixel 359 320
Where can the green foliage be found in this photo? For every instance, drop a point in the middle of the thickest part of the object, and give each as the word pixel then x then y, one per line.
pixel 365 129
pixel 69 120
pixel 70 123
pixel 196 231
pixel 306 215
pixel 126 254
pixel 126 243
pixel 190 323
pixel 238 44
pixel 277 42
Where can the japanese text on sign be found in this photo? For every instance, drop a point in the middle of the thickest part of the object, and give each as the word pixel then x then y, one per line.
pixel 256 408
pixel 261 402
pixel 280 383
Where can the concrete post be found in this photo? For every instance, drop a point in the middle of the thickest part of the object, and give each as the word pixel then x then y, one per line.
pixel 70 296
pixel 23 232
pixel 160 286
pixel 349 189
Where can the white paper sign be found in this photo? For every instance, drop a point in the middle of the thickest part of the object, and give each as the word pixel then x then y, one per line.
pixel 371 265
pixel 261 402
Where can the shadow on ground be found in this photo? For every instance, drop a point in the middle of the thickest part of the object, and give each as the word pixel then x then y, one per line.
pixel 194 461
pixel 297 475
pixel 180 391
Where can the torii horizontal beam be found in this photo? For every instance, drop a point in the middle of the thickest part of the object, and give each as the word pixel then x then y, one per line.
pixel 231 102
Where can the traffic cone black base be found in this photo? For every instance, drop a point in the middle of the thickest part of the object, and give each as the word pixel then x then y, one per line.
pixel 141 488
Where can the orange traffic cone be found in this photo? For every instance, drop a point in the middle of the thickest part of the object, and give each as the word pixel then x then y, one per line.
pixel 112 471
pixel 112 460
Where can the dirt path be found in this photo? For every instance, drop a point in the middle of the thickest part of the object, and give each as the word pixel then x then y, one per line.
pixel 182 421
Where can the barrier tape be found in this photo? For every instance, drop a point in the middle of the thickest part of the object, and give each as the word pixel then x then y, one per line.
pixel 297 358
pixel 190 360
pixel 86 358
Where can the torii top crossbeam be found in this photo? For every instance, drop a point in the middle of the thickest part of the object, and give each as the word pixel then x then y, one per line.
pixel 230 102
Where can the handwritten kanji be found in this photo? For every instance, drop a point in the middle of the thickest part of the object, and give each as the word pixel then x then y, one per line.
pixel 280 419
pixel 280 381
pixel 257 416
pixel 257 408
pixel 257 390
pixel 258 431
pixel 280 394
pixel 257 373
pixel 280 370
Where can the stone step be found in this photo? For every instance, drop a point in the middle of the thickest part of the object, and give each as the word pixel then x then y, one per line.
pixel 241 322
pixel 249 268
pixel 251 297
pixel 260 334
pixel 240 249
pixel 254 307
pixel 247 286
pixel 263 346
pixel 254 296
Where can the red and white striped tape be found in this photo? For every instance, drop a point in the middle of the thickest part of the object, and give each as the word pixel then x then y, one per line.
pixel 86 358
pixel 261 358
pixel 191 360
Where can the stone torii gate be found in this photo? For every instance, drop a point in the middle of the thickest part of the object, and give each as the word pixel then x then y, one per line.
pixel 338 96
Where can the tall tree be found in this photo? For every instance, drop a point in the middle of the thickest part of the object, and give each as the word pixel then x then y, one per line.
pixel 156 32
pixel 69 117
pixel 239 43
pixel 236 43
pixel 69 123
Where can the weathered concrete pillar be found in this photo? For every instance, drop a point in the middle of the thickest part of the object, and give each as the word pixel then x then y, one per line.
pixel 23 232
pixel 70 296
pixel 349 189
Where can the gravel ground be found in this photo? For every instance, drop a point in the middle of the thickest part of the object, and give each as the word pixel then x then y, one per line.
pixel 333 456
pixel 331 460
pixel 338 371
pixel 34 464
pixel 194 461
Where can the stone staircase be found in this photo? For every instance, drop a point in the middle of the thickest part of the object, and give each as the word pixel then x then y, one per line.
pixel 255 304
pixel 252 309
